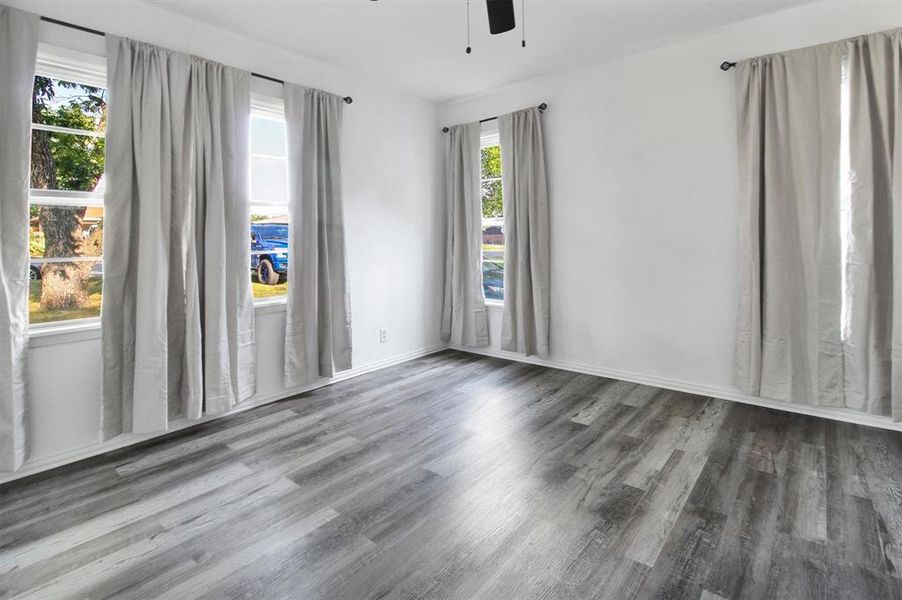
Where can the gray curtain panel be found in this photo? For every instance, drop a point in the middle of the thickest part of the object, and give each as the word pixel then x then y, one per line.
pixel 177 315
pixel 872 343
pixel 527 272
pixel 318 321
pixel 464 319
pixel 18 52
pixel 788 343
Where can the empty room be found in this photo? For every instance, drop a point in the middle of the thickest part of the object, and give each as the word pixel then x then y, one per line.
pixel 451 299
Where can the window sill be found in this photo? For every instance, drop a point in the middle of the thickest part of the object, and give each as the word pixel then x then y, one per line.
pixel 89 329
pixel 61 333
pixel 271 305
pixel 495 305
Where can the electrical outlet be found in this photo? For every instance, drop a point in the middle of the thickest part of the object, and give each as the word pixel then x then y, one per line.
pixel 383 335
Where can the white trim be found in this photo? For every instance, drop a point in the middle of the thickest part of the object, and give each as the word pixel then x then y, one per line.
pixel 71 65
pixel 64 198
pixel 68 130
pixel 40 260
pixel 63 458
pixel 77 330
pixel 281 158
pixel 267 107
pixel 273 304
pixel 844 415
pixel 489 134
pixel 269 204
pixel 494 305
pixel 63 332
pixel 835 414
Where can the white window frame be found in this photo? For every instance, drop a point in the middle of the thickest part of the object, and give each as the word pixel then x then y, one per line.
pixel 488 136
pixel 267 106
pixel 88 69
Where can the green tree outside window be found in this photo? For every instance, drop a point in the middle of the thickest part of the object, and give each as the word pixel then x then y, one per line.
pixel 66 162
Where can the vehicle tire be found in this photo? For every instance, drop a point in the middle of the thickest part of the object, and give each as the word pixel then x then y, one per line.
pixel 34 273
pixel 266 274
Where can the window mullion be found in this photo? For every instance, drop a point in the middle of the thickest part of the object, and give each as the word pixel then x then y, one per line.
pixel 65 259
pixel 42 197
pixel 67 130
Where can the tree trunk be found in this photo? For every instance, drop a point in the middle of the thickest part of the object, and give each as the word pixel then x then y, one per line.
pixel 64 285
pixel 43 175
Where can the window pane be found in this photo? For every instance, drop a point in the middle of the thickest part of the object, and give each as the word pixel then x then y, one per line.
pixel 66 161
pixel 493 259
pixel 66 104
pixel 492 225
pixel 267 136
pixel 493 279
pixel 269 221
pixel 65 231
pixel 61 291
pixel 492 205
pixel 269 251
pixel 66 241
pixel 269 180
pixel 491 161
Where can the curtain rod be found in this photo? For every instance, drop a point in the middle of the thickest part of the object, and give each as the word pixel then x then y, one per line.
pixel 347 99
pixel 541 108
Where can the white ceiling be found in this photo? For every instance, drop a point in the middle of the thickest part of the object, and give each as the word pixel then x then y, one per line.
pixel 419 45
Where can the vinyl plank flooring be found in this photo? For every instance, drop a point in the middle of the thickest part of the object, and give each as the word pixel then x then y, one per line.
pixel 457 476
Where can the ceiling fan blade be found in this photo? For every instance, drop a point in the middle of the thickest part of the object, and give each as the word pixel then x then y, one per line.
pixel 501 15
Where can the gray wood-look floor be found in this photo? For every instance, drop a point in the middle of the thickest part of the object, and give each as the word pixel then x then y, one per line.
pixel 458 476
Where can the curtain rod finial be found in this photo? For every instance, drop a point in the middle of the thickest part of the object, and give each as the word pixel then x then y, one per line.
pixel 727 65
pixel 348 99
pixel 445 130
pixel 542 107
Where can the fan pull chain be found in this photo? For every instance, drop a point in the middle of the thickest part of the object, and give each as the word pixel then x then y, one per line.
pixel 523 18
pixel 469 50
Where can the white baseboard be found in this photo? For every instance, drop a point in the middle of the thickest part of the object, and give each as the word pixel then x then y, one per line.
pixel 836 414
pixel 70 456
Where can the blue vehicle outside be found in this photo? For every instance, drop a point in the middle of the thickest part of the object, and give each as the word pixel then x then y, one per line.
pixel 269 251
pixel 492 280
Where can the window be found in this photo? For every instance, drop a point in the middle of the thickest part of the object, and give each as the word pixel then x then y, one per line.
pixel 846 177
pixel 492 215
pixel 69 108
pixel 269 199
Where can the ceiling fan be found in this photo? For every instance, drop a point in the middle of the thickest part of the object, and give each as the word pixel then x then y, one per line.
pixel 501 18
pixel 501 15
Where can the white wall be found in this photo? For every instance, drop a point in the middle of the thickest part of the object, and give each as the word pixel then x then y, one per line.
pixel 643 189
pixel 391 144
pixel 641 155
